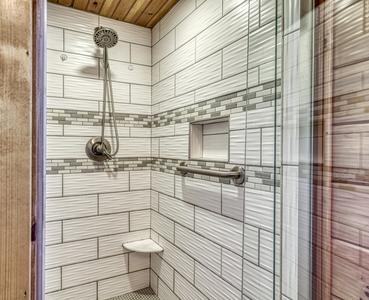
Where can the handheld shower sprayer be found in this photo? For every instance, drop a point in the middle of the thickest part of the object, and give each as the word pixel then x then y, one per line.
pixel 98 148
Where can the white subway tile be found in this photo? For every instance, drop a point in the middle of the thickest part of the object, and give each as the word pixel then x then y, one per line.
pixel 215 147
pixel 222 87
pixel 155 74
pixel 53 232
pixel 77 104
pixel 82 292
pixel 81 43
pixel 202 193
pixel 155 148
pixel 178 102
pixel 84 228
pixel 162 48
pixel 251 243
pixel 140 132
pixel 174 147
pixel 235 58
pixel 202 73
pixel 141 54
pixel 128 32
pixel 141 94
pixel 162 182
pixel 267 244
pixel 94 270
pixel 163 90
pixel 54 38
pixel 213 286
pixel 178 60
pixel 56 147
pixel 232 201
pixel 228 5
pixel 75 65
pixel 54 129
pixel 232 268
pixel 253 146
pixel 54 86
pixel 237 146
pixel 198 247
pixel 130 73
pixel 88 183
pixel 65 17
pixel 162 225
pixel 270 146
pixel 205 15
pixel 112 244
pixel 222 230
pixel 70 207
pixel 176 15
pixel 139 220
pixel 52 280
pixel 54 185
pixel 133 109
pixel 140 180
pixel 124 201
pixel 185 290
pixel 153 281
pixel 164 292
pixel 259 208
pixel 154 200
pixel 167 130
pixel 70 253
pixel 227 30
pixel 182 128
pixel 92 89
pixel 113 287
pixel 120 52
pixel 257 283
pixel 138 261
pixel 135 147
pixel 237 121
pixel 163 270
pixel 155 34
pixel 177 210
pixel 179 260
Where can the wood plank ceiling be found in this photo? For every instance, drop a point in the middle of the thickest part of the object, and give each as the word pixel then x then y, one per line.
pixel 140 12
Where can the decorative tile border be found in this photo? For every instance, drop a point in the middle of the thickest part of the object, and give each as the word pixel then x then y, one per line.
pixel 92 118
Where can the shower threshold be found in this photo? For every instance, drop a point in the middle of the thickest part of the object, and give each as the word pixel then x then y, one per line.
pixel 144 294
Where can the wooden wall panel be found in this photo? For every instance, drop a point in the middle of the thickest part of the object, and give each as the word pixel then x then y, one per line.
pixel 140 12
pixel 15 148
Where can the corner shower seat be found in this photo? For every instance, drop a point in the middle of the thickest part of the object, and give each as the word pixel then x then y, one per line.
pixel 143 246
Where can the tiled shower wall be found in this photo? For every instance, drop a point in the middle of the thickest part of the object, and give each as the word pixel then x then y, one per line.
pixel 91 208
pixel 216 59
pixel 210 59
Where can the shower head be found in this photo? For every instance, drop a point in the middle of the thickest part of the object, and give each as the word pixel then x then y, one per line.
pixel 105 37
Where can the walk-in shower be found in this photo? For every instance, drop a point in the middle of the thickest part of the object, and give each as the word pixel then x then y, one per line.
pixel 99 148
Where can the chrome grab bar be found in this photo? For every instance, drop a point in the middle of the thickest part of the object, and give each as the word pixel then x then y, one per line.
pixel 237 174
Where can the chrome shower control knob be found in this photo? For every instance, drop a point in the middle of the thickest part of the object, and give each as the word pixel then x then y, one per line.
pixel 98 150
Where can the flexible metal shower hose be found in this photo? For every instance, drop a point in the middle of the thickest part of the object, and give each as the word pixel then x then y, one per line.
pixel 108 96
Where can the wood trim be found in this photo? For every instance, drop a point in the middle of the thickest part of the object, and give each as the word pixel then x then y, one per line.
pixel 16 148
pixel 145 13
pixel 38 146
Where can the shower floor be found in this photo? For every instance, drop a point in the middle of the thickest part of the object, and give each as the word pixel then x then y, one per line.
pixel 144 294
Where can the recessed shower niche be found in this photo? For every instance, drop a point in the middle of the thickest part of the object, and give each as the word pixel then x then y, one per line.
pixel 209 139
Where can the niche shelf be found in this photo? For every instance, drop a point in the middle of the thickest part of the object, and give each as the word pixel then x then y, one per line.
pixel 143 246
pixel 209 140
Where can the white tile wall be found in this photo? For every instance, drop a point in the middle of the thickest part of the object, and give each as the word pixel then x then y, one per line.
pixel 78 229
pixel 163 270
pixel 139 220
pixel 52 280
pixel 83 292
pixel 232 201
pixel 138 261
pixel 258 283
pixel 199 192
pixel 164 292
pixel 53 232
pixel 213 286
pixel 198 247
pixel 113 287
pixel 232 268
pixel 162 182
pixel 177 210
pixel 185 290
pixel 162 225
pixel 94 270
pixel 224 231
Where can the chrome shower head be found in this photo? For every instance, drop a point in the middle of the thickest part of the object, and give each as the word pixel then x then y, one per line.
pixel 105 37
